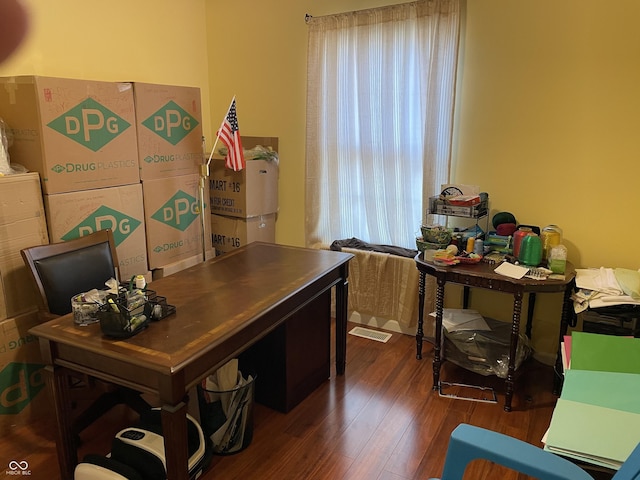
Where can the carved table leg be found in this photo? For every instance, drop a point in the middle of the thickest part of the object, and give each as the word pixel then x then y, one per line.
pixel 567 305
pixel 420 332
pixel 437 361
pixel 513 348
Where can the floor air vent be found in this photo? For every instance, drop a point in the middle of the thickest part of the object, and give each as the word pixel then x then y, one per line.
pixel 370 334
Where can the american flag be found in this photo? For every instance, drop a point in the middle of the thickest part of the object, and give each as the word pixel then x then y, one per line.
pixel 230 136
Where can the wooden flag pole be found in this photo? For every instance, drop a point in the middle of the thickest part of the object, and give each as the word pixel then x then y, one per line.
pixel 204 174
pixel 218 132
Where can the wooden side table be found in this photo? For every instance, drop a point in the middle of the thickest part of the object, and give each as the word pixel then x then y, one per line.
pixel 482 275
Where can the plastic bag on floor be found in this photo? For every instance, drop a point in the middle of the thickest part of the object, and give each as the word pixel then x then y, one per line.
pixel 485 351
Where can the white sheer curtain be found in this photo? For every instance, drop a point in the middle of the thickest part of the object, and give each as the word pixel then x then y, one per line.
pixel 380 95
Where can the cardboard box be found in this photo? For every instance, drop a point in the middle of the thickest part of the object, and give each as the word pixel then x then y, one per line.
pixel 169 126
pixel 249 192
pixel 78 134
pixel 22 225
pixel 229 233
pixel 23 395
pixel 173 220
pixel 72 215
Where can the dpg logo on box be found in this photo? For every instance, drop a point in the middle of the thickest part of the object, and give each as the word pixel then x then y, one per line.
pixel 90 124
pixel 178 212
pixel 19 383
pixel 104 217
pixel 171 122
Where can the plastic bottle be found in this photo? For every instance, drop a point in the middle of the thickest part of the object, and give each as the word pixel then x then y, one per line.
pixel 551 236
pixel 478 248
pixel 141 282
pixel 470 242
pixel 557 260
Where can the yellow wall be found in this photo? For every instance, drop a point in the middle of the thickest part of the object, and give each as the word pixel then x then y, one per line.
pixel 155 41
pixel 546 118
pixel 258 52
pixel 548 121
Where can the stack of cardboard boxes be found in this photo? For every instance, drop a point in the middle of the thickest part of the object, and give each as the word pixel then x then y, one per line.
pixel 244 204
pixel 22 224
pixel 170 155
pixel 80 136
pixel 124 156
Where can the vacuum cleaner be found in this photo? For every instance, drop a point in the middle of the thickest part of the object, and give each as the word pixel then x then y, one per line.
pixel 137 453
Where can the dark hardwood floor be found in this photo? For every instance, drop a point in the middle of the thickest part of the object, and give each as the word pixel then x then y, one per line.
pixel 380 421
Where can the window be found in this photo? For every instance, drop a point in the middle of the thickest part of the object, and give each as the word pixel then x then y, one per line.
pixel 380 93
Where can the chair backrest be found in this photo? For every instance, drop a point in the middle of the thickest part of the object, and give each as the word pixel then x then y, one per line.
pixel 64 269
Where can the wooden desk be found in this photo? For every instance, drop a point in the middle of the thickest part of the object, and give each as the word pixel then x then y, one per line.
pixel 482 275
pixel 223 306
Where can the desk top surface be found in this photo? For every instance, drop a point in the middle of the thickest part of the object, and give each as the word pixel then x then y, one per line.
pixel 485 271
pixel 222 304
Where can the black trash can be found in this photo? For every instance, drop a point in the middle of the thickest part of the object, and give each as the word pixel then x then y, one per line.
pixel 226 416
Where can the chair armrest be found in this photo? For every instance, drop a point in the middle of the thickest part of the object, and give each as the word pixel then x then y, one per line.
pixel 469 443
pixel 630 469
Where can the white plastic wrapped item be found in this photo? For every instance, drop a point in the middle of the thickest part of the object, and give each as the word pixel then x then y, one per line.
pixel 256 153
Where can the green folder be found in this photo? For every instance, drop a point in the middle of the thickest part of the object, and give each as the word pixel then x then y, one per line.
pixel 597 417
pixel 593 434
pixel 605 353
pixel 614 390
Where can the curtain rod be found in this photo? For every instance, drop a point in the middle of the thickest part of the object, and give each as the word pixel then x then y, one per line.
pixel 308 17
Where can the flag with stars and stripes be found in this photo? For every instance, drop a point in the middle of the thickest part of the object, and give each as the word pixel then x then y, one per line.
pixel 230 136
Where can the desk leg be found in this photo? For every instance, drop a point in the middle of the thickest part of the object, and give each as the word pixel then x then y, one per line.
pixel 174 430
pixel 513 348
pixel 437 361
pixel 567 306
pixel 342 291
pixel 58 382
pixel 420 332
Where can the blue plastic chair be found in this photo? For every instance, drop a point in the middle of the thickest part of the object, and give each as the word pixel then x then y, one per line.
pixel 469 443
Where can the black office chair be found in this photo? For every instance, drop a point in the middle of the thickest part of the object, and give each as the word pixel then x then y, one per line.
pixel 62 270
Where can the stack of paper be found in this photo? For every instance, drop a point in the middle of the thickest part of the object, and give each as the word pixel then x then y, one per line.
pixel 597 417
